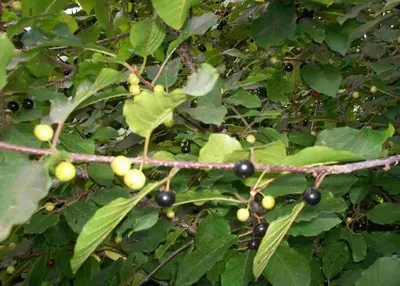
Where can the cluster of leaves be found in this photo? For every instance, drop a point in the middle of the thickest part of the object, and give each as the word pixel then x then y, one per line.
pixel 307 83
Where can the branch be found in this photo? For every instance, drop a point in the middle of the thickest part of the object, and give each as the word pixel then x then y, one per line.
pixel 184 52
pixel 172 255
pixel 58 62
pixel 322 169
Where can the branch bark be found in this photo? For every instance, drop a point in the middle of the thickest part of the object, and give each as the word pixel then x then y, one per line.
pixel 322 169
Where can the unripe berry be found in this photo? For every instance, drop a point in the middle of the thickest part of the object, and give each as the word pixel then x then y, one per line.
pixel 10 270
pixel 273 60
pixel 17 6
pixel 65 171
pixel 134 89
pixel 121 165
pixel 43 132
pixel 49 206
pixel 135 179
pixel 243 214
pixel 169 121
pixel 118 239
pixel 251 139
pixel 268 202
pixel 12 245
pixel 158 89
pixel 373 89
pixel 313 133
pixel 170 214
pixel 133 79
pixel 355 94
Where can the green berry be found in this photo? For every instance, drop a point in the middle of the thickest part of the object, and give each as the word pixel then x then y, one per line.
pixel 243 214
pixel 251 139
pixel 355 94
pixel 10 270
pixel 373 89
pixel 43 132
pixel 133 79
pixel 135 179
pixel 121 165
pixel 65 172
pixel 134 89
pixel 159 89
pixel 268 202
pixel 17 6
pixel 170 214
pixel 49 206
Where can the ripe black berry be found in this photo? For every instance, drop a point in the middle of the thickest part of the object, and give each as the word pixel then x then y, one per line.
pixel 260 229
pixel 262 91
pixel 220 27
pixel 254 244
pixel 50 263
pixel 222 23
pixel 13 105
pixel 75 60
pixel 202 48
pixel 28 103
pixel 219 128
pixel 312 196
pixel 244 169
pixel 165 199
pixel 288 67
pixel 308 13
pixel 66 72
pixel 305 122
pixel 359 226
pixel 258 198
pixel 185 148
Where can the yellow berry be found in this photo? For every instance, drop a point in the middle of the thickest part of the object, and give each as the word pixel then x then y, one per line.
pixel 170 214
pixel 355 94
pixel 10 270
pixel 268 202
pixel 169 121
pixel 253 47
pixel 134 89
pixel 133 79
pixel 65 171
pixel 373 89
pixel 243 214
pixel 313 133
pixel 49 206
pixel 12 245
pixel 158 89
pixel 17 6
pixel 251 139
pixel 135 179
pixel 273 60
pixel 43 132
pixel 121 165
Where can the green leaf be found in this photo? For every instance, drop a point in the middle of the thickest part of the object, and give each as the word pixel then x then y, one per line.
pixel 201 196
pixel 319 155
pixel 105 133
pixel 87 5
pixel 147 36
pixel 40 222
pixel 87 272
pixel 238 269
pixel 7 49
pixel 365 143
pixel 386 243
pixel 384 271
pixel 386 213
pixel 323 222
pixel 174 13
pixel 161 251
pixel 197 263
pixel 105 196
pixel 101 224
pixel 78 214
pixel 357 244
pixel 21 189
pixel 276 232
pixel 138 219
pixel 314 29
pixel 101 173
pixel 201 82
pixel 302 139
pixel 365 28
pixel 131 265
pixel 207 114
pixel 37 7
pixel 288 267
pixel 324 79
pixel 210 228
pixel 352 13
pixel 169 74
pixel 244 98
pixel 286 185
pixel 199 25
pixel 339 184
pixel 217 147
pixel 273 135
pixel 275 26
pixel 147 111
pixel 336 39
pixel 335 257
pixel 74 143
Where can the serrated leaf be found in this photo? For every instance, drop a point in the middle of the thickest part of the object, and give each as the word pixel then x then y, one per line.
pixel 325 79
pixel 21 189
pixel 365 143
pixel 272 239
pixel 147 111
pixel 288 267
pixel 147 36
pixel 238 269
pixel 102 223
pixel 174 13
pixel 197 263
pixel 386 213
pixel 40 222
pixel 201 82
pixel 323 222
pixel 217 147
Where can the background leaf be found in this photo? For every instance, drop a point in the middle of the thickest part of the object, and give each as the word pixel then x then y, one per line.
pixel 325 79
pixel 174 13
pixel 147 36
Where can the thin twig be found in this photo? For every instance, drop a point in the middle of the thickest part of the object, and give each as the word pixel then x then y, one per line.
pixel 58 62
pixel 321 169
pixel 184 52
pixel 172 255
pixel 248 127
pixel 57 136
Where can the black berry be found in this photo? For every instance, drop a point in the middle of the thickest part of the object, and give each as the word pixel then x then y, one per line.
pixel 258 198
pixel 124 84
pixel 75 60
pixel 185 148
pixel 262 91
pixel 66 72
pixel 13 105
pixel 244 169
pixel 288 67
pixel 359 226
pixel 312 196
pixel 28 103
pixel 219 27
pixel 260 229
pixel 254 244
pixel 219 128
pixel 165 199
pixel 50 263
pixel 305 122
pixel 222 23
pixel 202 48
pixel 308 13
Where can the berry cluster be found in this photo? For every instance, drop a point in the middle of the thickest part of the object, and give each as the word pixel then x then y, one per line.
pixel 221 25
pixel 28 104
